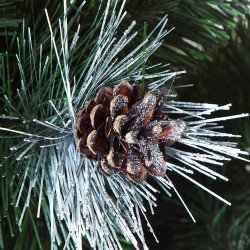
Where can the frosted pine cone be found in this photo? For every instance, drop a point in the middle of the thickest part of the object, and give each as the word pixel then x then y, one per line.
pixel 127 133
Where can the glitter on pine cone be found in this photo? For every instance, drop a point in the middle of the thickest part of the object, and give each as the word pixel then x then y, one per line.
pixel 127 133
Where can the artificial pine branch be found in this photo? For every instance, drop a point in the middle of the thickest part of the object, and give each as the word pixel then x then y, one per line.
pixel 30 64
pixel 10 17
pixel 201 27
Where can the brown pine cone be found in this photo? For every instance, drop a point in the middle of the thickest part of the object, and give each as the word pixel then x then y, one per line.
pixel 127 133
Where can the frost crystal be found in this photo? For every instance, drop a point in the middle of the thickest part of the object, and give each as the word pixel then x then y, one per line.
pixel 81 200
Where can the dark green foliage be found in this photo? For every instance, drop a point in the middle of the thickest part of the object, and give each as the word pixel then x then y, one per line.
pixel 201 27
pixel 10 16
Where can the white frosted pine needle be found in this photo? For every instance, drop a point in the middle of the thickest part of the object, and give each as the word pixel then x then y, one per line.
pixel 82 201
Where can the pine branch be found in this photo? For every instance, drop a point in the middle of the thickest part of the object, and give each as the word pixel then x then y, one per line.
pixel 201 27
pixel 9 17
pixel 45 96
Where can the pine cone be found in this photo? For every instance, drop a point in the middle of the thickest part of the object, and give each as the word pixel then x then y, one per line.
pixel 126 133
